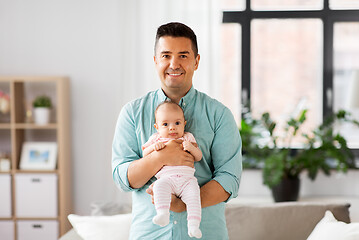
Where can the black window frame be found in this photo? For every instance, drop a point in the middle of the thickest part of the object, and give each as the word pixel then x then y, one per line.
pixel 328 16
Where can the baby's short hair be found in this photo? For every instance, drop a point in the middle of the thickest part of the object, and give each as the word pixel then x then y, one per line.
pixel 168 101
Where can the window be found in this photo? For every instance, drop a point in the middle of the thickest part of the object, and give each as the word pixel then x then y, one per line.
pixel 231 69
pixel 344 4
pixel 295 51
pixel 280 88
pixel 346 75
pixel 286 4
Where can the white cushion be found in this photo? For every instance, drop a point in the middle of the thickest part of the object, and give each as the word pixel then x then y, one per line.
pixel 331 229
pixel 109 208
pixel 116 227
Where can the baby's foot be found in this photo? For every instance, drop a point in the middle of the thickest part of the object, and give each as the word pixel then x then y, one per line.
pixel 194 232
pixel 161 219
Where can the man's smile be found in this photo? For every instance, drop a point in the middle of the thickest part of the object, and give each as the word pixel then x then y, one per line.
pixel 175 74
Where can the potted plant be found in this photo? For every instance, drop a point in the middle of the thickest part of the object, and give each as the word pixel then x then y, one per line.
pixel 323 150
pixel 42 106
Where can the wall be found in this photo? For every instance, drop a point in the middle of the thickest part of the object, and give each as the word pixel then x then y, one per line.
pixel 80 39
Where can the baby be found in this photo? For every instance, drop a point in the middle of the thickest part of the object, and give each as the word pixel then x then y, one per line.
pixel 178 180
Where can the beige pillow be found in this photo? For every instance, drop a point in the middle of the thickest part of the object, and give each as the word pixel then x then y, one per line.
pixel 277 221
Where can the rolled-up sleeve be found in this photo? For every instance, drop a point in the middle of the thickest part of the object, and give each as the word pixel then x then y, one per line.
pixel 124 148
pixel 226 153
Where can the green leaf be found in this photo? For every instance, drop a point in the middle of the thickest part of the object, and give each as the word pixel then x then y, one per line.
pixel 324 150
pixel 42 101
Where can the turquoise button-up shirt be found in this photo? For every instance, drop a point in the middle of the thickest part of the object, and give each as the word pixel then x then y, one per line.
pixel 217 135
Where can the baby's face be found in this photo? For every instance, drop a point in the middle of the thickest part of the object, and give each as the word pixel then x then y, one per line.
pixel 170 121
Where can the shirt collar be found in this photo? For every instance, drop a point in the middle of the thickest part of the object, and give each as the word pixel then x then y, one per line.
pixel 187 98
pixel 161 96
pixel 183 102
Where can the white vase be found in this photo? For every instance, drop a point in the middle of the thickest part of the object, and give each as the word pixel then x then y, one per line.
pixel 41 115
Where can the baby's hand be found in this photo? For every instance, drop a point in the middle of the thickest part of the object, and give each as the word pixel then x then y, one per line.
pixel 159 146
pixel 187 146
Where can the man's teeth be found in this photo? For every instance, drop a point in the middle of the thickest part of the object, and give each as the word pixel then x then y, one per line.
pixel 174 74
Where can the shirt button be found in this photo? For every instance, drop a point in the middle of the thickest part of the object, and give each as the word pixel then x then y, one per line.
pixel 175 222
pixel 184 104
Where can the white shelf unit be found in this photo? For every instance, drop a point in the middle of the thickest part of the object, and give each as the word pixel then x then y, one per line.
pixel 40 201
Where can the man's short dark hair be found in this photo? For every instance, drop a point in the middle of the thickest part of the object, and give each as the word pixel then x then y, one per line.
pixel 176 29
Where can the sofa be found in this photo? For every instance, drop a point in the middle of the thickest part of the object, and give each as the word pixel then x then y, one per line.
pixel 275 221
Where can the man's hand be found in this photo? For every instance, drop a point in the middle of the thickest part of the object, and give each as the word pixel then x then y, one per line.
pixel 174 155
pixel 187 146
pixel 142 170
pixel 193 149
pixel 159 145
pixel 176 203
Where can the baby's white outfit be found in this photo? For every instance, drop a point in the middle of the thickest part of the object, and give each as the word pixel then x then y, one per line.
pixel 178 180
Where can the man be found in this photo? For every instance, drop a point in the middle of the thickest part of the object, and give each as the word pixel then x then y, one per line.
pixel 212 124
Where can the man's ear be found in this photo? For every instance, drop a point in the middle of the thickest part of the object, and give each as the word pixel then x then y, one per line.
pixel 154 59
pixel 197 62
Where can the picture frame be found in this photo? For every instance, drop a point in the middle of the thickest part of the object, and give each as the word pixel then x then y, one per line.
pixel 38 156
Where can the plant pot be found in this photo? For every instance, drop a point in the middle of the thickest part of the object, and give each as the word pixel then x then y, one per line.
pixel 41 115
pixel 286 190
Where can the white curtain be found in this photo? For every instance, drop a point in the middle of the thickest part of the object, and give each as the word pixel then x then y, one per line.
pixel 139 22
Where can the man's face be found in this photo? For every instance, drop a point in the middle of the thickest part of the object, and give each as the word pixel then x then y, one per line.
pixel 175 63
